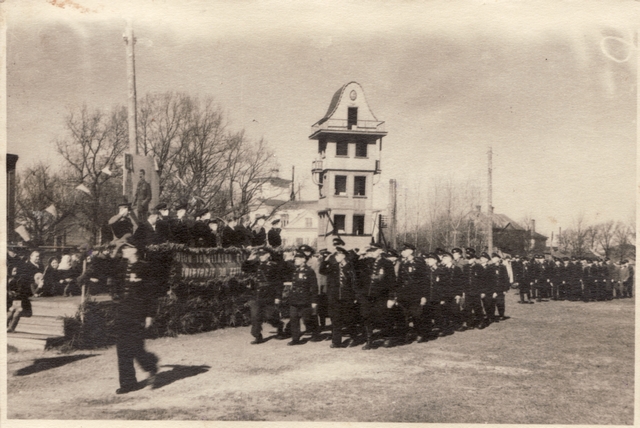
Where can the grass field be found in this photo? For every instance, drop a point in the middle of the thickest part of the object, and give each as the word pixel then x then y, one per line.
pixel 550 363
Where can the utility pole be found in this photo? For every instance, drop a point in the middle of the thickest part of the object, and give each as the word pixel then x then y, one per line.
pixel 393 214
pixel 490 204
pixel 129 41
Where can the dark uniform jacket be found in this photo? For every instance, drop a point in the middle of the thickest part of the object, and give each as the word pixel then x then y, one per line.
pixel 267 284
pixel 433 286
pixel 122 227
pixel 450 282
pixel 134 292
pixel 498 278
pixel 471 279
pixel 180 231
pixel 201 234
pixel 273 237
pixel 412 281
pixel 258 237
pixel 341 281
pixel 304 287
pixel 377 280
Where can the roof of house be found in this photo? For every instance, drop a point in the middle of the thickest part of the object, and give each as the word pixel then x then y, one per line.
pixel 504 222
pixel 275 181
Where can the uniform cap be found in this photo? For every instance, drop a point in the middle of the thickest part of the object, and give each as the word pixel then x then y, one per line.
pixel 342 250
pixel 276 221
pixel 338 241
pixel 392 253
pixel 306 249
pixel 485 256
pixel 300 254
pixel 181 206
pixel 407 246
pixel 161 206
pixel 456 250
pixel 201 212
pixel 433 256
pixel 446 254
pixel 494 255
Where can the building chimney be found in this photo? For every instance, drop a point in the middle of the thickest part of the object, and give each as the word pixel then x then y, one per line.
pixel 533 227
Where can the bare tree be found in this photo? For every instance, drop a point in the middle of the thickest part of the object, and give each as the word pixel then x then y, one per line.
pixel 575 238
pixel 623 233
pixel 96 142
pixel 605 236
pixel 38 188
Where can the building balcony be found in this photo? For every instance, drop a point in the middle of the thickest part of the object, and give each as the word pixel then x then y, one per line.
pixel 343 126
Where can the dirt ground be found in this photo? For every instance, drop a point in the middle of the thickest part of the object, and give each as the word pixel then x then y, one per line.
pixel 553 362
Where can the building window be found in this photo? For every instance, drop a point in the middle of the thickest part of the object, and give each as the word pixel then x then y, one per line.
pixel 359 186
pixel 284 220
pixel 342 148
pixel 352 118
pixel 358 224
pixel 308 223
pixel 361 149
pixel 338 222
pixel 341 185
pixel 322 145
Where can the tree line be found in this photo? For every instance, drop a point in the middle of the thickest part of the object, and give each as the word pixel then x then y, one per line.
pixel 200 159
pixel 445 213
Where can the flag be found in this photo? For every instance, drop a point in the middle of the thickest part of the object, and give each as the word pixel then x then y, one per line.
pixel 106 170
pixel 84 189
pixel 51 209
pixel 24 234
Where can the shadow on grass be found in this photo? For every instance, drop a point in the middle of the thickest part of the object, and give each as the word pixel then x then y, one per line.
pixel 42 364
pixel 176 373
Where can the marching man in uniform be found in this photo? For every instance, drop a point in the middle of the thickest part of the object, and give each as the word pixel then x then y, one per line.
pixel 134 315
pixel 267 293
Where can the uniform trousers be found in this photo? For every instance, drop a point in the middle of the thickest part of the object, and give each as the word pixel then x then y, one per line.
pixel 304 312
pixel 375 314
pixel 432 314
pixel 130 334
pixel 263 312
pixel 412 312
pixel 475 314
pixel 343 319
pixel 489 306
pixel 628 288
pixel 500 303
pixel 323 309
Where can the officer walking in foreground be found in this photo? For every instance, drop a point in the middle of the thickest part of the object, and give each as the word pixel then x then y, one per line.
pixel 267 293
pixel 134 315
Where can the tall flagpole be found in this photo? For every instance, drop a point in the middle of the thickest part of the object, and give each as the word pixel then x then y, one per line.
pixel 129 41
pixel 490 204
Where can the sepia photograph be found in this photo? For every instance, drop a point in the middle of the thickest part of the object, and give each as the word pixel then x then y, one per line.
pixel 317 211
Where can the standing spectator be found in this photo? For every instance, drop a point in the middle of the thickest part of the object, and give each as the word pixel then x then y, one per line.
pixel 142 197
pixel 125 222
pixel 136 306
pixel 273 235
pixel 258 233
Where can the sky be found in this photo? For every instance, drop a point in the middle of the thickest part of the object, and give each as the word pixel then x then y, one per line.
pixel 550 86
